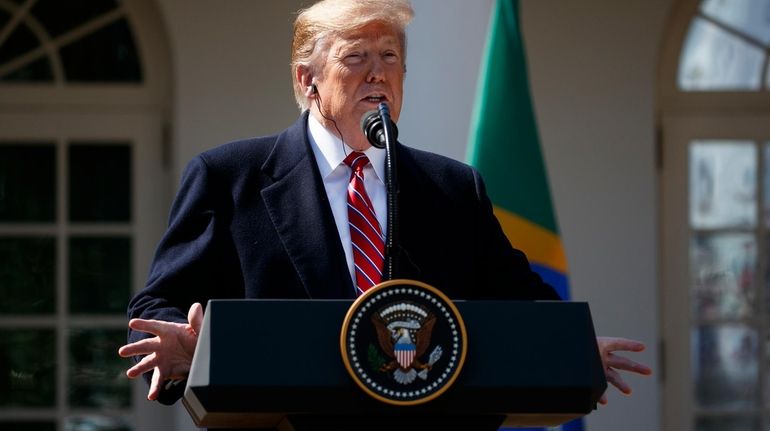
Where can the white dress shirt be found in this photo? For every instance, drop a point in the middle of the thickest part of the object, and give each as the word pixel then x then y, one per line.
pixel 330 153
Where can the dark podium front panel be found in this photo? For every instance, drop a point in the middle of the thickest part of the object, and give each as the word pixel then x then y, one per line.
pixel 259 362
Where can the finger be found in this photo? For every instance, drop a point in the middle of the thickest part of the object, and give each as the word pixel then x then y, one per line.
pixel 195 317
pixel 155 383
pixel 603 400
pixel 614 378
pixel 625 364
pixel 154 327
pixel 610 344
pixel 146 364
pixel 142 347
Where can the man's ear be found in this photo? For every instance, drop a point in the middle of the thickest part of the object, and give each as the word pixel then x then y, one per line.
pixel 305 79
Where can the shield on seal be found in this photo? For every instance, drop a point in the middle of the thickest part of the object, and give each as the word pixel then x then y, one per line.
pixel 405 354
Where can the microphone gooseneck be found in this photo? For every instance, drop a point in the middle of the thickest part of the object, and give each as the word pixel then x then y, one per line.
pixel 382 133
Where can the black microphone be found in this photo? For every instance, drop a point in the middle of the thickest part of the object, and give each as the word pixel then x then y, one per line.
pixel 381 132
pixel 374 128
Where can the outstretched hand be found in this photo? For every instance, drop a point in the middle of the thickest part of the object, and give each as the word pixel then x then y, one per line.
pixel 614 363
pixel 169 354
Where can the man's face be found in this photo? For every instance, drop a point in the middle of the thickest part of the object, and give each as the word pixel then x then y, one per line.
pixel 362 69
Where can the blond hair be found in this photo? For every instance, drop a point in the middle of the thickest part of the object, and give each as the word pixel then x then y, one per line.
pixel 317 25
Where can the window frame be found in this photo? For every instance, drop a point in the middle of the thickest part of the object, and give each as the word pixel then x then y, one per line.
pixel 684 116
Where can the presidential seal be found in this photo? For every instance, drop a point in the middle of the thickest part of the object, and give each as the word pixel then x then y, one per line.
pixel 403 342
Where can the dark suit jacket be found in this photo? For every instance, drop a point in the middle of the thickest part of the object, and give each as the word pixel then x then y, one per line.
pixel 252 220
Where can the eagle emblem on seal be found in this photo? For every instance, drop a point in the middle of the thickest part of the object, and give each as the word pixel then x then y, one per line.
pixel 404 334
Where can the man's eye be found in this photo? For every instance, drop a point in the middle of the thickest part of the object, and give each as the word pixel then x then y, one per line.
pixel 390 57
pixel 354 58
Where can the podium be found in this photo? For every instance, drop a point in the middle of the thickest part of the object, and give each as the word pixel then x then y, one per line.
pixel 276 364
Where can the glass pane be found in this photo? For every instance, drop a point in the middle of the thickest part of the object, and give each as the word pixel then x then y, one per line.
pixel 21 41
pixel 27 367
pixel 725 366
pixel 107 55
pixel 100 183
pixel 713 59
pixel 723 184
pixel 766 359
pixel 59 17
pixel 750 17
pixel 766 184
pixel 727 424
pixel 97 423
pixel 37 71
pixel 28 426
pixel 97 374
pixel 100 275
pixel 27 182
pixel 27 275
pixel 723 275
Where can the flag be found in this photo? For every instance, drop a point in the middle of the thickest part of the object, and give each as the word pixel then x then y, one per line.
pixel 505 147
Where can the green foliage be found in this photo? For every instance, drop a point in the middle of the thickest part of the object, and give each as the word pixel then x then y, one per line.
pixel 376 361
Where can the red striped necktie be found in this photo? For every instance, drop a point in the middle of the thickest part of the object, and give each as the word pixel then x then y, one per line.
pixel 365 232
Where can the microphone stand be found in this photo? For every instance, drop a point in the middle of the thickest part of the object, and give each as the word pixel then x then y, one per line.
pixel 391 185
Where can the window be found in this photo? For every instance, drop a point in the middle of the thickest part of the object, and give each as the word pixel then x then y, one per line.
pixel 727 47
pixel 54 41
pixel 715 239
pixel 66 274
pixel 82 202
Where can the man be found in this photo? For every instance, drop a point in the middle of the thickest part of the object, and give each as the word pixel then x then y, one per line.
pixel 302 214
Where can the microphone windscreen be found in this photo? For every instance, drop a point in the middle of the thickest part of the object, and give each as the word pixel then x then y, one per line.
pixel 372 126
pixel 368 117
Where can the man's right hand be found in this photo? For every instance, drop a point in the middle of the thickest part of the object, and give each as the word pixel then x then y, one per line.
pixel 169 354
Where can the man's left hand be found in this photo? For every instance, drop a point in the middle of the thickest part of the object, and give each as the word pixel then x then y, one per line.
pixel 614 363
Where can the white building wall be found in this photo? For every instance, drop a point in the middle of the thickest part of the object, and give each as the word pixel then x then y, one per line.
pixel 592 69
pixel 231 71
pixel 593 74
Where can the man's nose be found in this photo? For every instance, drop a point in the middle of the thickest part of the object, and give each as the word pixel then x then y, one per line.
pixel 376 70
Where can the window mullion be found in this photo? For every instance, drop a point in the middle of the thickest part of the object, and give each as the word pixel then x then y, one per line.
pixel 759 282
pixel 62 285
pixel 16 19
pixel 743 36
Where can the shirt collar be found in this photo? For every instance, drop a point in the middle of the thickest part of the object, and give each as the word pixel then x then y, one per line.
pixel 330 151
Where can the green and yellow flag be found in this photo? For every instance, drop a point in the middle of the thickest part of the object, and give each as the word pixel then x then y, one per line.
pixel 505 148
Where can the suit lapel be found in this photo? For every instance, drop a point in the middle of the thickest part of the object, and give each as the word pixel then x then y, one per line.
pixel 299 209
